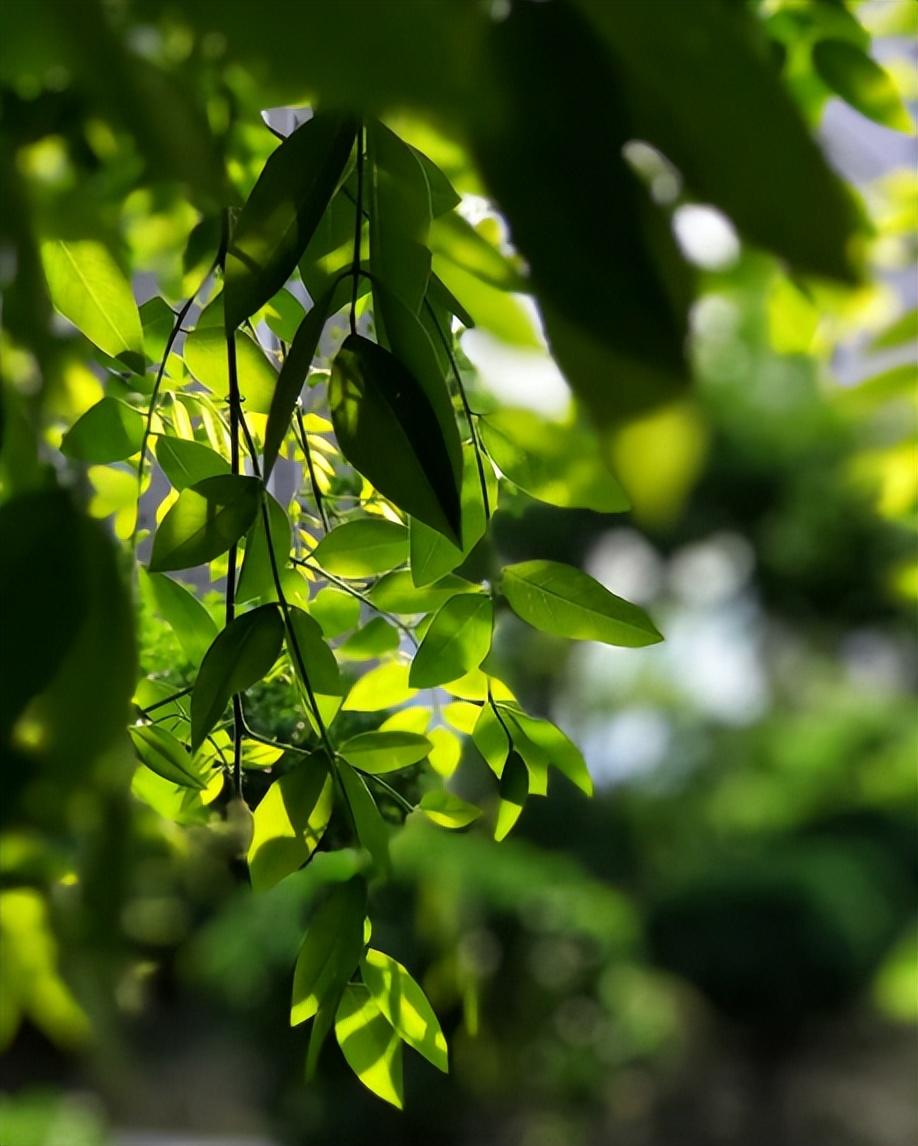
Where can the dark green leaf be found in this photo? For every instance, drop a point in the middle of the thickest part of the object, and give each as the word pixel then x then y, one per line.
pixel 191 623
pixel 860 81
pixel 363 547
pixel 283 211
pixel 318 665
pixel 369 825
pixel 256 578
pixel 207 519
pixel 241 655
pixel 715 54
pixel 457 640
pixel 108 432
pixel 566 602
pixel 400 216
pixel 388 430
pixel 331 950
pixel 292 376
pixel 432 554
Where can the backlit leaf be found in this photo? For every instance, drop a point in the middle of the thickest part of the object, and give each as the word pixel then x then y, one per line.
pixel 208 518
pixel 256 578
pixel 363 547
pixel 370 1046
pixel 165 755
pixel 554 462
pixel 185 462
pixel 566 602
pixel 514 788
pixel 335 611
pixel 376 638
pixel 860 81
pixel 240 655
pixel 88 287
pixel 458 639
pixel 381 752
pixel 405 1005
pixel 331 950
pixel 448 811
pixel 289 822
pixel 382 687
pixel 397 593
pixel 205 357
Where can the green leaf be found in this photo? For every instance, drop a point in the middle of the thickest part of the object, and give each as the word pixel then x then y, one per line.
pixel 208 518
pixel 614 270
pixel 382 687
pixel 400 216
pixel 566 602
pixel 165 755
pixel 555 462
pixel 289 822
pixel 186 462
pixel 387 429
pixel 368 823
pixel 318 663
pixel 432 554
pixel 283 315
pixel 514 788
pixel 405 1005
pixel 108 432
pixel 256 578
pixel 381 752
pixel 397 593
pixel 292 376
pixel 370 1046
pixel 375 639
pixel 717 53
pixel 458 639
pixel 157 319
pixel 492 739
pixel 363 547
pixel 191 623
pixel 443 195
pixel 205 356
pixel 88 288
pixel 560 751
pixel 455 239
pixel 283 211
pixel 446 810
pixel 860 81
pixel 335 611
pixel 241 655
pixel 904 329
pixel 331 950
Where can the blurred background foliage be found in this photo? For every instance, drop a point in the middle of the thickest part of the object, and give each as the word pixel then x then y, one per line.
pixel 720 947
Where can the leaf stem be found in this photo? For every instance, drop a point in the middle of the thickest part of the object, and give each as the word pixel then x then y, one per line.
pixel 313 481
pixel 467 410
pixel 358 229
